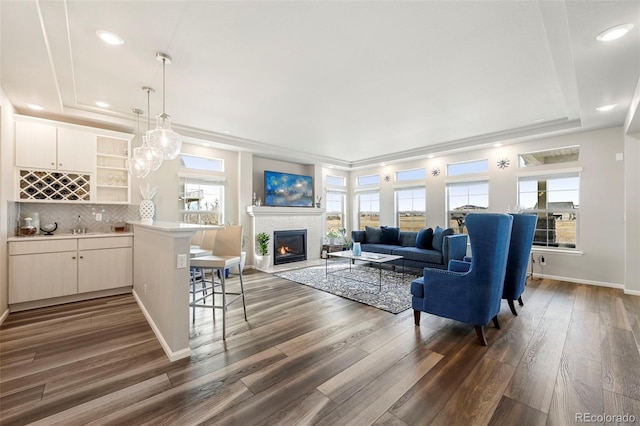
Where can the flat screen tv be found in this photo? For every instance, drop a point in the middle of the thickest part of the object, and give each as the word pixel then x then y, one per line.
pixel 287 190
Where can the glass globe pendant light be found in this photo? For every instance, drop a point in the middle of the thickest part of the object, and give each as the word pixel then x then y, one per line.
pixel 138 165
pixel 153 155
pixel 163 137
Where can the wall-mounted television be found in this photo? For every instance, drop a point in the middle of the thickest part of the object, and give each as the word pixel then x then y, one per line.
pixel 287 189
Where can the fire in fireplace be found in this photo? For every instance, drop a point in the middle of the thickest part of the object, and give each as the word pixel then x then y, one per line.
pixel 289 246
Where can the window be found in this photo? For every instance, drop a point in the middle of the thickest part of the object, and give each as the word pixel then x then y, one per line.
pixel 549 156
pixel 555 199
pixel 463 198
pixel 368 180
pixel 468 167
pixel 202 200
pixel 335 210
pixel 415 174
pixel 368 209
pixel 335 180
pixel 410 208
pixel 201 163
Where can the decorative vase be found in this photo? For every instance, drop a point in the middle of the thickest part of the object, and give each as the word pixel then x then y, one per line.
pixel 147 211
pixel 357 249
pixel 332 241
pixel 263 261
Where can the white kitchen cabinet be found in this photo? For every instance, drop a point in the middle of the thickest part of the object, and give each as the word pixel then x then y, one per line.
pixel 49 147
pixel 105 263
pixel 46 268
pixel 42 269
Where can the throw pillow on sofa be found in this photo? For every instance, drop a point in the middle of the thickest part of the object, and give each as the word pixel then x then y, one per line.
pixel 438 237
pixel 423 240
pixel 389 235
pixel 372 235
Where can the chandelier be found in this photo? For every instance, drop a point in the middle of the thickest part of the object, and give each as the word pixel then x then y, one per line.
pixel 163 137
pixel 144 158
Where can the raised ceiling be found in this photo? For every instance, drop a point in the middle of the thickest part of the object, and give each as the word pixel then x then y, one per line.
pixel 345 83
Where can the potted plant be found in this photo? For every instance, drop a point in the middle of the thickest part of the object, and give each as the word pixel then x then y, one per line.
pixel 331 236
pixel 263 258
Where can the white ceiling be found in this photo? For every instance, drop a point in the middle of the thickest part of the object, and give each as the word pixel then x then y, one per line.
pixel 341 82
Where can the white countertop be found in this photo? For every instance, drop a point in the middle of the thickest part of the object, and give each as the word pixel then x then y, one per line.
pixel 173 226
pixel 67 236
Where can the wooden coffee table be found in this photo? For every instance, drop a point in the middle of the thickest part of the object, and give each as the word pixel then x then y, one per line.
pixel 378 258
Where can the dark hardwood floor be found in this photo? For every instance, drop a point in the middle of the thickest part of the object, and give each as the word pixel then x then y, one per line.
pixel 308 357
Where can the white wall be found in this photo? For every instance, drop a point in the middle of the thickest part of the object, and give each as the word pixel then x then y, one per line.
pixel 601 225
pixel 166 179
pixel 632 213
pixel 6 191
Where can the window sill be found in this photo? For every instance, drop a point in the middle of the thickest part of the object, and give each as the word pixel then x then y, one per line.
pixel 568 252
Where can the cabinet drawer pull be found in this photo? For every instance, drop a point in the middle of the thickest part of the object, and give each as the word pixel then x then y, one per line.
pixel 81 257
pixel 53 164
pixel 74 258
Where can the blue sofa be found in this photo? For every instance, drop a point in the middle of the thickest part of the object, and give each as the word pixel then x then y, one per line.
pixel 425 248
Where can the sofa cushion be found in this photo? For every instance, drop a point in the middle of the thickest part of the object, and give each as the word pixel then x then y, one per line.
pixel 408 238
pixel 358 236
pixel 389 235
pixel 379 248
pixel 423 239
pixel 372 235
pixel 438 237
pixel 420 255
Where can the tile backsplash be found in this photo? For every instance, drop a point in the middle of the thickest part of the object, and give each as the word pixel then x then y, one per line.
pixel 66 215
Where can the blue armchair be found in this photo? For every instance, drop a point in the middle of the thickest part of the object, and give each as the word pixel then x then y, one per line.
pixel 522 233
pixel 524 226
pixel 472 296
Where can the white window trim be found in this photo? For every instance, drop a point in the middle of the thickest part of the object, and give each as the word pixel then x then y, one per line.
pixel 548 172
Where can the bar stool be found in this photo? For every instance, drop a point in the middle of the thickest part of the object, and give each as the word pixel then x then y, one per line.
pixel 226 252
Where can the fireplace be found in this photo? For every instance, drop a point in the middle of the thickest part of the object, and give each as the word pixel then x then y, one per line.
pixel 289 246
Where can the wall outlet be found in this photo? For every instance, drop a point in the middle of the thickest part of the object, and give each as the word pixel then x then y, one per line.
pixel 542 260
pixel 181 261
pixel 98 217
pixel 145 289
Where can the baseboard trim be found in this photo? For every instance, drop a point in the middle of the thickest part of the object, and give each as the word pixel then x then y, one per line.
pixel 579 281
pixel 4 315
pixel 632 292
pixel 173 356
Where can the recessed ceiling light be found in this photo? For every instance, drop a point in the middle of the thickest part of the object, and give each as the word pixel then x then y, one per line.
pixel 497 145
pixel 227 131
pixel 110 38
pixel 605 108
pixel 35 107
pixel 614 33
pixel 431 155
pixel 102 104
pixel 205 144
pixel 383 164
pixel 538 120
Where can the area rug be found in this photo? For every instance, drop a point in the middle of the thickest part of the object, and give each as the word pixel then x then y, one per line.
pixel 359 284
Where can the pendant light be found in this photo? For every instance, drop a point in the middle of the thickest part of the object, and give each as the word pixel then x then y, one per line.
pixel 153 155
pixel 138 165
pixel 163 137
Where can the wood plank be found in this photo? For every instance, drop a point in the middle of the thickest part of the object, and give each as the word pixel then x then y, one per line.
pixel 620 362
pixel 478 396
pixel 535 376
pixel 515 338
pixel 578 390
pixel 583 336
pixel 372 401
pixel 388 419
pixel 612 311
pixel 511 412
pixel 620 405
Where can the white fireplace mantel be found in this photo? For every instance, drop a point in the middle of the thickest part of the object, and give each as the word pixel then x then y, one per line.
pixel 254 211
pixel 271 219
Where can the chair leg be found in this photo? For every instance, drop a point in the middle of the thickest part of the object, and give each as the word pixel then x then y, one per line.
pixel 416 317
pixel 224 304
pixel 244 305
pixel 480 334
pixel 496 323
pixel 520 301
pixel 513 308
pixel 193 296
